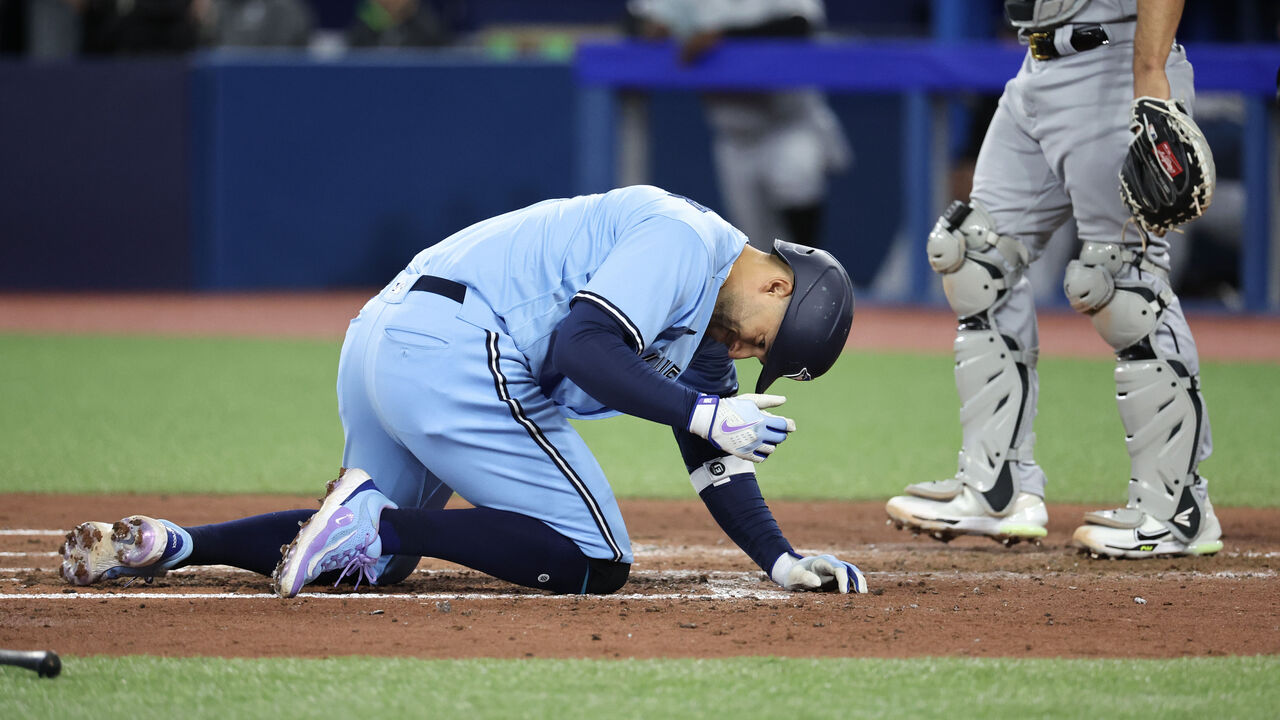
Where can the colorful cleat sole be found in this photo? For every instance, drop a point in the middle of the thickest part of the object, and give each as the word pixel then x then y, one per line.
pixel 132 547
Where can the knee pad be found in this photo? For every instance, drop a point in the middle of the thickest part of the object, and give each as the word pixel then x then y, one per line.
pixel 977 264
pixel 605 576
pixel 1126 312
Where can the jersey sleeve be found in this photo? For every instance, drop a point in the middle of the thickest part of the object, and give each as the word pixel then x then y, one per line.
pixel 590 349
pixel 655 278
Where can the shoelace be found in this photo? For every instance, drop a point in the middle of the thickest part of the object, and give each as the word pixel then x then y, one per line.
pixel 354 558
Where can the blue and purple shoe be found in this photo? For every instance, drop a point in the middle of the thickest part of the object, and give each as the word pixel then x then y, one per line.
pixel 137 547
pixel 343 534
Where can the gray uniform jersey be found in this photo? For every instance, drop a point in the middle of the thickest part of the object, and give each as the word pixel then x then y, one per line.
pixel 772 150
pixel 1052 152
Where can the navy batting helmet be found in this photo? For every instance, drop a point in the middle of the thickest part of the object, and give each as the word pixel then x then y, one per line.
pixel 817 320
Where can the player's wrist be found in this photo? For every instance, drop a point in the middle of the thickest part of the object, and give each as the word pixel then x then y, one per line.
pixel 782 567
pixel 703 415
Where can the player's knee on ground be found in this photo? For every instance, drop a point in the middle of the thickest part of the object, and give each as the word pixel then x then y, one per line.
pixel 398 568
pixel 605 576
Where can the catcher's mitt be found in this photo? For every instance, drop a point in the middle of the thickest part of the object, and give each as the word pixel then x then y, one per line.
pixel 1168 174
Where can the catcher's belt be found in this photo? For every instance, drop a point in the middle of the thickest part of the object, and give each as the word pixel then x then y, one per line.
pixel 1051 43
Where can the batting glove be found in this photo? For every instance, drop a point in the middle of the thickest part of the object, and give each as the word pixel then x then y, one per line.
pixel 739 426
pixel 820 572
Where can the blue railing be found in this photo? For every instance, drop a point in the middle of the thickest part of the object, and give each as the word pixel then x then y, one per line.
pixel 922 71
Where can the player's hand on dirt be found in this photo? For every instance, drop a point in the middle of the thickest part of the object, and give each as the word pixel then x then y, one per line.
pixel 818 572
pixel 739 426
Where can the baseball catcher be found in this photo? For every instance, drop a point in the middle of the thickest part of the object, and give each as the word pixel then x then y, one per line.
pixel 1168 176
pixel 1104 91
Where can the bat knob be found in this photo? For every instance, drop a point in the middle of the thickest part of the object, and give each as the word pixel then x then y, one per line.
pixel 50 666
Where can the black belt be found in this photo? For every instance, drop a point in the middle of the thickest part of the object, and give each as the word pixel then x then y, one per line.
pixel 1083 37
pixel 455 291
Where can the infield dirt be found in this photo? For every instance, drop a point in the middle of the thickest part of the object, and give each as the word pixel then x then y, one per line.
pixel 691 594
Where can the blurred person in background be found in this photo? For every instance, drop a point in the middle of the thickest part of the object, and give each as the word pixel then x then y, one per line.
pixel 397 23
pixel 138 27
pixel 773 151
pixel 258 23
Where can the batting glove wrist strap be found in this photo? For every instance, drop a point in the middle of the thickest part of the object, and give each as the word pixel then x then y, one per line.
pixel 739 426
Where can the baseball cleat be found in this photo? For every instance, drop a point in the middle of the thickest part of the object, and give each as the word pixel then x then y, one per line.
pixel 964 514
pixel 1132 533
pixel 136 546
pixel 343 534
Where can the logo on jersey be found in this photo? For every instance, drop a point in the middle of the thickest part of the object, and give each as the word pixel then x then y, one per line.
pixel 663 366
pixel 698 205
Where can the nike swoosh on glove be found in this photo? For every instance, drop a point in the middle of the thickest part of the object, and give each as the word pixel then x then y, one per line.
pixel 818 572
pixel 739 426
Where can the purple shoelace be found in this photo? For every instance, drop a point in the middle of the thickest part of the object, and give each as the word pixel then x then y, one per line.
pixel 357 559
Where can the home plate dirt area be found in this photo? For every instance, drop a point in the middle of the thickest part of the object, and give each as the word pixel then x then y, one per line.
pixel 691 594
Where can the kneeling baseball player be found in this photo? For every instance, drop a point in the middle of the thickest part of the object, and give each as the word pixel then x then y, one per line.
pixel 462 375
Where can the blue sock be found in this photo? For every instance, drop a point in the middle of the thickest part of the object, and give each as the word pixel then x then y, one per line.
pixel 506 545
pixel 251 543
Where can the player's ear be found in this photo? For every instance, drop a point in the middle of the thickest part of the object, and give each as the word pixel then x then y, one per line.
pixel 779 286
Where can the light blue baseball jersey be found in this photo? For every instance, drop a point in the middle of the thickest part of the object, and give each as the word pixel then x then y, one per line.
pixel 653 260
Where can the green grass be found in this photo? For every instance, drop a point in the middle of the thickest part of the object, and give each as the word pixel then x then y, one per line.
pixel 113 414
pixel 1239 687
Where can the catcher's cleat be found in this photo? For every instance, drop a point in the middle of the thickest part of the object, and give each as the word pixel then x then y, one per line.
pixel 1132 533
pixel 964 514
pixel 136 546
pixel 343 534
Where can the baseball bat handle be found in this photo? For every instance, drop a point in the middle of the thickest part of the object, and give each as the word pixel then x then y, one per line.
pixel 45 663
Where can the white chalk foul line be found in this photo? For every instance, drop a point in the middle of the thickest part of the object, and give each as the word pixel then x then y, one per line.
pixel 20 531
pixel 732 594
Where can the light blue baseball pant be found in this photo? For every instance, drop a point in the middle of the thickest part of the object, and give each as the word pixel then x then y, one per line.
pixel 435 398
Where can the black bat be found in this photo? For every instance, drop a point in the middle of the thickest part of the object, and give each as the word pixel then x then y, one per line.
pixel 45 662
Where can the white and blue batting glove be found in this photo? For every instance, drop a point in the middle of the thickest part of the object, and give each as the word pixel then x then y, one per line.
pixel 739 426
pixel 819 572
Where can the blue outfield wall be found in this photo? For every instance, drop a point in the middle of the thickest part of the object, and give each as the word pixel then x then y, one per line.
pixel 93 161
pixel 281 171
pixel 325 174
